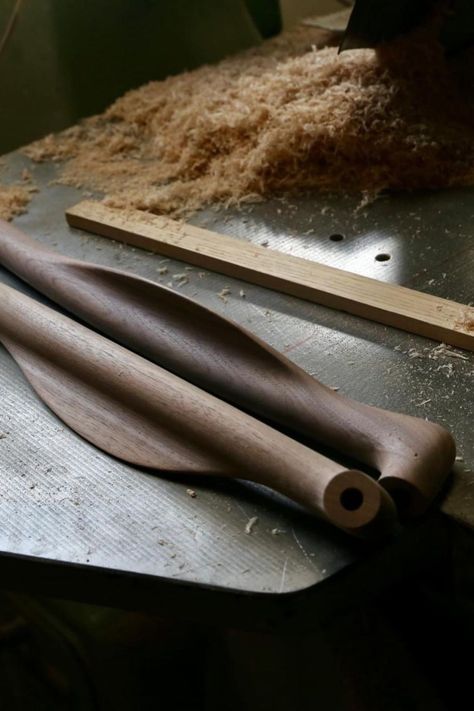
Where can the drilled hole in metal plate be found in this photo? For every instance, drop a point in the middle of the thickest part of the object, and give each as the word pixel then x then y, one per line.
pixel 351 499
pixel 384 257
pixel 336 238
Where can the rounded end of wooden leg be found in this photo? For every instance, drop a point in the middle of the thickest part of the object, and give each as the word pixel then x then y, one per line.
pixel 356 503
pixel 417 476
pixel 410 500
pixel 406 496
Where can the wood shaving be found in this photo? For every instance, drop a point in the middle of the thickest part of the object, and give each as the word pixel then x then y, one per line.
pixel 223 294
pixel 181 278
pixel 281 118
pixel 413 353
pixel 26 176
pixel 191 493
pixel 445 350
pixel 447 369
pixel 251 524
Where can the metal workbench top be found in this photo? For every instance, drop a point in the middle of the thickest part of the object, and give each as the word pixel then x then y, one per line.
pixel 66 505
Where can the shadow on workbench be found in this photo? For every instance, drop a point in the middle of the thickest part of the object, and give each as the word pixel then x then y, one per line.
pixel 402 651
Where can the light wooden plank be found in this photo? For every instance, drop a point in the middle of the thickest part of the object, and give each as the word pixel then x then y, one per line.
pixel 390 304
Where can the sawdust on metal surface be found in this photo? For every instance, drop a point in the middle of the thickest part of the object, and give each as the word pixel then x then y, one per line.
pixel 282 118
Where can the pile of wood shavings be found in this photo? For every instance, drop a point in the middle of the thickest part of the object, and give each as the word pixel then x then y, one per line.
pixel 283 118
pixel 13 200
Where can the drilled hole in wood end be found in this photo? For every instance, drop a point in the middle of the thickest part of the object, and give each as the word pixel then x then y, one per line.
pixel 384 257
pixel 355 502
pixel 336 238
pixel 351 499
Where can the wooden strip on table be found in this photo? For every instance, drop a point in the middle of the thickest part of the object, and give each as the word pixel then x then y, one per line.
pixel 390 304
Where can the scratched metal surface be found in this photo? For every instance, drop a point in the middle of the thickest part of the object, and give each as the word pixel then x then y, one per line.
pixel 61 499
